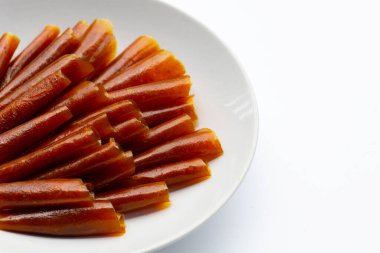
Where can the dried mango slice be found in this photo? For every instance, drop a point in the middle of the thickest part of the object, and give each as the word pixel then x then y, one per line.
pixel 133 198
pixel 19 139
pixel 32 101
pixel 98 219
pixel 8 45
pixel 44 193
pixel 159 66
pixel 202 144
pixel 62 45
pixel 155 94
pixel 39 43
pixel 71 147
pixel 142 47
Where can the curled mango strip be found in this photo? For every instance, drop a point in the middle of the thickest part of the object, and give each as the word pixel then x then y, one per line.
pixel 98 45
pixel 201 144
pixel 174 174
pixel 62 45
pixel 111 171
pixel 71 147
pixel 41 193
pixel 155 94
pixel 39 43
pixel 159 66
pixel 142 47
pixel 159 115
pixel 70 65
pixel 164 132
pixel 13 142
pixel 82 99
pixel 117 113
pixel 8 45
pixel 100 218
pixel 85 165
pixel 80 29
pixel 99 123
pixel 129 131
pixel 137 197
pixel 32 101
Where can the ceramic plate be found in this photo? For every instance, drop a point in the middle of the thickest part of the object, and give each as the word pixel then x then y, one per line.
pixel 224 99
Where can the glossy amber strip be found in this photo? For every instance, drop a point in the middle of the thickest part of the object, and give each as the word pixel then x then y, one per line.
pixel 62 45
pixel 157 116
pixel 98 45
pixel 155 94
pixel 68 148
pixel 173 174
pixel 32 101
pixel 116 113
pixel 114 170
pixel 177 127
pixel 159 66
pixel 8 45
pixel 71 66
pixel 39 43
pixel 99 123
pixel 129 131
pixel 98 219
pixel 142 47
pixel 83 99
pixel 20 138
pixel 43 193
pixel 201 144
pixel 86 164
pixel 80 29
pixel 137 197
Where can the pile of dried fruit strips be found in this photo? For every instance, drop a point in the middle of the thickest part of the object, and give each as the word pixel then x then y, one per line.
pixel 85 136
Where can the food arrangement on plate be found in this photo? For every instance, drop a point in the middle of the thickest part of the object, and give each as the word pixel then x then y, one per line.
pixel 86 136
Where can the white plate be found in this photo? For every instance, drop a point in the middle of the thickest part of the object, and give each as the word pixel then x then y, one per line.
pixel 224 100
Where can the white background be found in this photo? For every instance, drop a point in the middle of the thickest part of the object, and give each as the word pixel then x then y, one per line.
pixel 314 184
